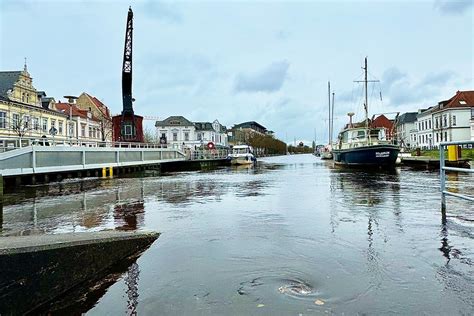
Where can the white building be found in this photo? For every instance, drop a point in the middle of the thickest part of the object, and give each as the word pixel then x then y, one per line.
pixel 406 130
pixel 449 120
pixel 452 118
pixel 472 123
pixel 424 126
pixel 80 125
pixel 177 131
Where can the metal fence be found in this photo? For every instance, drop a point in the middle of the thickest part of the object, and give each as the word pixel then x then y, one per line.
pixel 443 169
pixel 205 154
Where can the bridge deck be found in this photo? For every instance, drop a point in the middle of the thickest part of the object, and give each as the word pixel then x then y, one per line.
pixel 49 159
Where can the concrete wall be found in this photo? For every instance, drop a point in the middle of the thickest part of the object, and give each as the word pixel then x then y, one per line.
pixel 37 269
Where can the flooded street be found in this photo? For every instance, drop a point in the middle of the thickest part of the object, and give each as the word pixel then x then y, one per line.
pixel 291 236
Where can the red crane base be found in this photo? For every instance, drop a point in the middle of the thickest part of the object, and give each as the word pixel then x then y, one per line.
pixel 129 135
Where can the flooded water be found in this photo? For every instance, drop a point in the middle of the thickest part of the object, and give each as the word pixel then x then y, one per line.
pixel 291 236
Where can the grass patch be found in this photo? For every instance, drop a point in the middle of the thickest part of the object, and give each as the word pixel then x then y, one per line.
pixel 434 153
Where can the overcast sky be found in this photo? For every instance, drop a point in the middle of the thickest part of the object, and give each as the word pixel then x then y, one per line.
pixel 266 61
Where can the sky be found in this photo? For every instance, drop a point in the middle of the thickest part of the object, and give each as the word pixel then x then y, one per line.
pixel 237 61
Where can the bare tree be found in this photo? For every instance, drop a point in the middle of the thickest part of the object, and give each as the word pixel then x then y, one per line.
pixel 149 136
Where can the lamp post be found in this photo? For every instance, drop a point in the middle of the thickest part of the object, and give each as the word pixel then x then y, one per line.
pixel 70 101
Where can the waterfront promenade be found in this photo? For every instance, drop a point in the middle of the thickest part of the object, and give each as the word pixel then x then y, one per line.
pixel 274 239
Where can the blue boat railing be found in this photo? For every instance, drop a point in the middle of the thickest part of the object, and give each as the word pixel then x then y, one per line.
pixel 443 169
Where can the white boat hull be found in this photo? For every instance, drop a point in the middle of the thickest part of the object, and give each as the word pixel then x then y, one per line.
pixel 247 160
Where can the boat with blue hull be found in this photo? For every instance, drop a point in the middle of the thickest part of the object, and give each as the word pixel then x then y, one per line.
pixel 363 145
pixel 369 156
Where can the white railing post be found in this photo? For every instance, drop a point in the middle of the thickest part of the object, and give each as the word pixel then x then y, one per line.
pixel 33 158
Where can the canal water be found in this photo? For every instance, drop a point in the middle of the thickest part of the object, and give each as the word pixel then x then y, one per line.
pixel 292 236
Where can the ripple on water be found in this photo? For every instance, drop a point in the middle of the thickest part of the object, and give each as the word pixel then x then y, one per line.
pixel 262 287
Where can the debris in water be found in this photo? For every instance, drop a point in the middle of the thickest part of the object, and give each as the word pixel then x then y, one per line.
pixel 319 302
pixel 260 305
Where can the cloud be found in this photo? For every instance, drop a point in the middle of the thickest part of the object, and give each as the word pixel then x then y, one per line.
pixel 438 79
pixel 164 11
pixel 453 6
pixel 269 79
pixel 392 75
pixel 402 90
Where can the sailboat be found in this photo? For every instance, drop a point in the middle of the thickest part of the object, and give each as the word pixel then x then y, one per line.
pixel 326 152
pixel 364 146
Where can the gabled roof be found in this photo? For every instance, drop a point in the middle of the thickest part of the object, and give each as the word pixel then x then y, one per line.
pixel 174 121
pixel 408 117
pixel 460 99
pixel 101 106
pixel 75 111
pixel 7 80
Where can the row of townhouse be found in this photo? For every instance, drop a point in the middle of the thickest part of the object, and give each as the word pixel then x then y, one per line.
pixel 177 131
pixel 449 120
pixel 26 113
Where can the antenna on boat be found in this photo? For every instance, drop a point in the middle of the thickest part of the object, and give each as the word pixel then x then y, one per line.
pixel 350 114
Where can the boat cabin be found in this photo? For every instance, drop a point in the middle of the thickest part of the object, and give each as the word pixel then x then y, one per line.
pixel 357 137
pixel 242 149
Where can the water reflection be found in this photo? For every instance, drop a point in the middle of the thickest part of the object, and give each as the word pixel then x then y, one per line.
pixel 82 298
pixel 284 234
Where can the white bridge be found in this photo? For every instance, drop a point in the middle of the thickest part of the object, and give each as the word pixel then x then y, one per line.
pixel 37 159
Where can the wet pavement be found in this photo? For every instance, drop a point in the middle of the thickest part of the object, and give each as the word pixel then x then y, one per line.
pixel 292 236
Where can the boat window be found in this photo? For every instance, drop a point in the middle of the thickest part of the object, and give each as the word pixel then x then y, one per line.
pixel 375 132
pixel 345 137
pixel 360 134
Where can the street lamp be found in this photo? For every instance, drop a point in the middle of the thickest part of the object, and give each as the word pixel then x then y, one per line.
pixel 70 101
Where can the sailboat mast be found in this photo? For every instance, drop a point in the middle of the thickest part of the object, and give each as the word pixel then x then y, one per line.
pixel 366 105
pixel 332 116
pixel 329 118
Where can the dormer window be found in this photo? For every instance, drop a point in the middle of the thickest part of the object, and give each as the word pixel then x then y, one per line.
pixel 462 102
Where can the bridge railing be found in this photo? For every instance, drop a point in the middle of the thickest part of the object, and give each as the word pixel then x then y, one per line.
pixel 443 169
pixel 205 154
pixel 8 143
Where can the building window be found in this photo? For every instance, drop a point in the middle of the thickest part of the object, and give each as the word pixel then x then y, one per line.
pixel 16 121
pixel 71 129
pixel 60 127
pixel 45 125
pixel 445 136
pixel 199 136
pixel 90 132
pixel 445 121
pixel 35 122
pixel 472 113
pixel 454 120
pixel 186 136
pixel 429 124
pixel 437 137
pixel 26 121
pixel 175 136
pixel 23 97
pixel 83 130
pixel 436 122
pixel 3 119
